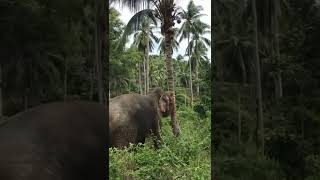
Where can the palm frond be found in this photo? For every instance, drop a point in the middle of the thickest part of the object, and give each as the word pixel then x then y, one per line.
pixel 206 41
pixel 134 24
pixel 182 32
pixel 199 16
pixel 133 5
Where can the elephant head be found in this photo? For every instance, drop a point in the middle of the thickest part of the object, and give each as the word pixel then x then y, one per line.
pixel 166 108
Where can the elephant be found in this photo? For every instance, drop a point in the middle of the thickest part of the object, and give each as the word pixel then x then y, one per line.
pixel 133 117
pixel 56 141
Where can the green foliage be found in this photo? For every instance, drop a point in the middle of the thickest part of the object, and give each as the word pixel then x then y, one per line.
pixel 157 71
pixel 246 168
pixel 46 44
pixel 288 48
pixel 199 108
pixel 186 157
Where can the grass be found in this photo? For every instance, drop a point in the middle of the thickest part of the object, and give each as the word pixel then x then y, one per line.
pixel 185 157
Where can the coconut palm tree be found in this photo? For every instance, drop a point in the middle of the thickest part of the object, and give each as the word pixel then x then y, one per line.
pixel 199 55
pixel 270 12
pixel 238 46
pixel 198 46
pixel 226 14
pixel 100 44
pixel 175 43
pixel 166 12
pixel 234 41
pixel 234 45
pixel 145 39
pixel 192 14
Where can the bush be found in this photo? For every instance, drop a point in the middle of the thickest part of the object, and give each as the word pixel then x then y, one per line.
pixel 200 109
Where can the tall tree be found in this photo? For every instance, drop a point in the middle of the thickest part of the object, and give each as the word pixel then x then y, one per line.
pixel 188 27
pixel 175 43
pixel 167 12
pixel 100 39
pixel 234 41
pixel 269 23
pixel 198 46
pixel 145 39
pixel 260 122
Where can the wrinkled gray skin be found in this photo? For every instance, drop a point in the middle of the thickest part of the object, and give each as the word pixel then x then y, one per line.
pixel 57 141
pixel 133 117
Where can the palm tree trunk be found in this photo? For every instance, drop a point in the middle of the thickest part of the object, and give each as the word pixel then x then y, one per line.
pixel 279 91
pixel 258 79
pixel 140 78
pixel 144 76
pixel 185 98
pixel 98 39
pixel 190 74
pixel 243 67
pixel 147 65
pixel 109 94
pixel 197 79
pixel 278 85
pixel 104 46
pixel 169 36
pixel 252 104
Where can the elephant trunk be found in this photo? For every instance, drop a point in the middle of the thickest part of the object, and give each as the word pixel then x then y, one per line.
pixel 175 128
pixel 174 124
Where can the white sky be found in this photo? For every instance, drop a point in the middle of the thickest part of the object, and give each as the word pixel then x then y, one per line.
pixel 126 14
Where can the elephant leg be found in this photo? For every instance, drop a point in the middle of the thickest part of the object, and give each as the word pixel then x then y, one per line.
pixel 141 139
pixel 124 135
pixel 156 134
pixel 156 140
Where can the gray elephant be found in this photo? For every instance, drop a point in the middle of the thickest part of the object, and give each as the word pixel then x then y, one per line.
pixel 55 141
pixel 133 117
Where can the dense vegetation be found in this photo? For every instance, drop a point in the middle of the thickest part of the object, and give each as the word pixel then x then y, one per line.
pixel 51 51
pixel 284 142
pixel 188 157
pixel 132 69
pixel 56 51
pixel 266 82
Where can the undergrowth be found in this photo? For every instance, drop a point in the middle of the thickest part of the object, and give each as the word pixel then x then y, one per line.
pixel 185 157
